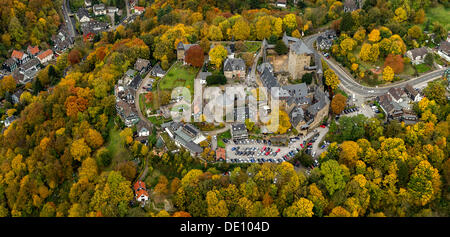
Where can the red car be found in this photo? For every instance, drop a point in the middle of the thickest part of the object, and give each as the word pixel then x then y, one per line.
pixel 310 144
pixel 278 150
pixel 322 126
pixel 267 153
pixel 301 145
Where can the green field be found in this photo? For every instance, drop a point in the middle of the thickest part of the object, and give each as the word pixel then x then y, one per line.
pixel 421 68
pixel 179 76
pixel 439 14
pixel 116 147
pixel 252 46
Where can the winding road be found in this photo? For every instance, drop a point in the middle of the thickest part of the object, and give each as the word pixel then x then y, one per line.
pixel 349 84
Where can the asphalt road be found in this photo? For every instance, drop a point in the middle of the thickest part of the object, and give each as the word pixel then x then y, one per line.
pixel 68 21
pixel 349 84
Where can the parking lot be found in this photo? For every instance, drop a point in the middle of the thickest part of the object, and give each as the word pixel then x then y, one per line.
pixel 261 151
pixel 365 110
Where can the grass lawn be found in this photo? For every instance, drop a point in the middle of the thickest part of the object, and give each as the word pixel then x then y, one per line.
pixel 421 68
pixel 252 46
pixel 117 149
pixel 158 120
pixel 168 142
pixel 439 14
pixel 179 76
pixel 221 136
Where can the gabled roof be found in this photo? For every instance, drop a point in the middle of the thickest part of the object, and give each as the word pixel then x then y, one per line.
pixel 10 62
pixel 183 46
pixel 158 70
pixel 141 63
pixel 299 47
pixel 140 9
pixel 30 64
pixel 45 54
pixel 268 79
pixel 296 115
pixel 33 50
pixel 139 185
pixel 17 54
pixel 396 93
pixel 418 52
pixel 409 89
pixel 82 12
pixel 445 47
pixel 234 64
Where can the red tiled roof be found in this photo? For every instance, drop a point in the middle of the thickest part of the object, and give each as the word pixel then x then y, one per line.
pixel 220 153
pixel 141 192
pixel 45 54
pixel 17 54
pixel 33 50
pixel 139 185
pixel 141 9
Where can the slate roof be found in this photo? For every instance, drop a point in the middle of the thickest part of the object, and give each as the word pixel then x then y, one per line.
pixel 296 115
pixel 82 12
pixel 158 70
pixel 184 47
pixel 234 64
pixel 397 93
pixel 445 47
pixel 268 79
pixel 321 100
pixel 418 52
pixel 262 66
pixel 30 64
pixel 10 62
pixel 136 81
pixel 409 89
pixel 299 47
pixel 141 63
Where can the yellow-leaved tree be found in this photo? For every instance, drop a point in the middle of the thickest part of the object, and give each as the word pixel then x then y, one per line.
pixel 388 74
pixel 217 55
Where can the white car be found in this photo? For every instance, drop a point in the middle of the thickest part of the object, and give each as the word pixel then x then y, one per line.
pixel 371 91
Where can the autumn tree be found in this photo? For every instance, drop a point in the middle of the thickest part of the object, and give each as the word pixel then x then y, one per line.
pixel 338 103
pixel 217 55
pixel 301 208
pixel 241 30
pixel 74 57
pixel 424 183
pixel 331 80
pixel 388 74
pixel 374 36
pixel 195 56
pixel 395 62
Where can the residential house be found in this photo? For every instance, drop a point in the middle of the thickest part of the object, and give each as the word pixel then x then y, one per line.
pixel 45 56
pixel 142 129
pixel 29 70
pixel 234 68
pixel 413 94
pixel 350 5
pixel 398 94
pixel 157 71
pixel 389 106
pixel 112 9
pixel 139 10
pixel 62 40
pixel 128 113
pixel 132 3
pixel 87 3
pixel 220 154
pixel 239 131
pixel 281 3
pixel 94 27
pixel 9 65
pixel 99 9
pixel 181 50
pixel 444 50
pixel 417 55
pixel 140 192
pixel 324 43
pixel 32 51
pixel 82 15
pixel 16 96
pixel 260 68
pixel 142 65
pixel 268 80
pixel 20 56
pixel 9 121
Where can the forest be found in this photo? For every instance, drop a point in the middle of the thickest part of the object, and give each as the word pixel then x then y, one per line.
pixel 57 160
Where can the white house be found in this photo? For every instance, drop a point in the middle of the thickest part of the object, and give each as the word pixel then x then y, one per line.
pixel 281 3
pixel 87 3
pixel 45 56
pixel 417 55
pixel 444 50
pixel 113 10
pixel 83 15
pixel 99 9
